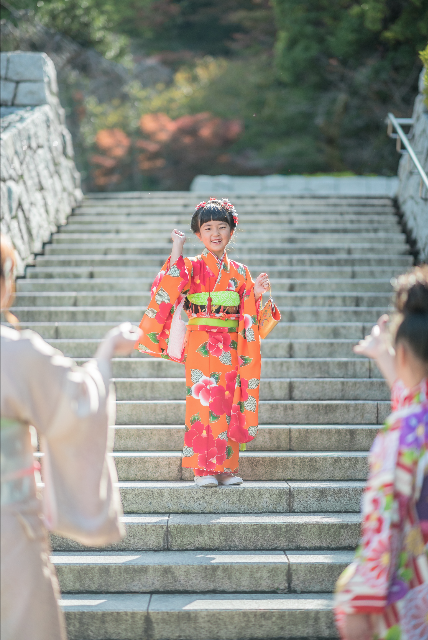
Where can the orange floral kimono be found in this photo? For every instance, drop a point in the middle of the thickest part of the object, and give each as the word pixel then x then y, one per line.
pixel 220 347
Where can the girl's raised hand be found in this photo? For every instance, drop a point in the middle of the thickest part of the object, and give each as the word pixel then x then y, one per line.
pixel 178 237
pixel 376 343
pixel 261 285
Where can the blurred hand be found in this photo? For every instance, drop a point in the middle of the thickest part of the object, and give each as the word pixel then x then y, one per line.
pixel 376 343
pixel 119 341
pixel 261 285
pixel 357 627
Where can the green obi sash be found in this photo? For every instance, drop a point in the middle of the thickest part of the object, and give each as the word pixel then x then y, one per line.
pixel 214 322
pixel 218 298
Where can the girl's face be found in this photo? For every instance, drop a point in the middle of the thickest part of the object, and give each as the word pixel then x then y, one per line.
pixel 215 235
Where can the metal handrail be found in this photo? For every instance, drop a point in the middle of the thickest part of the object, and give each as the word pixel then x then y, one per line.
pixel 402 138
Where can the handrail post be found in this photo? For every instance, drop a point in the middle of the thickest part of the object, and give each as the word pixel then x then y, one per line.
pixel 395 123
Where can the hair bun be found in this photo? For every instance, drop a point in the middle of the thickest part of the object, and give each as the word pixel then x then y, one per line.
pixel 412 292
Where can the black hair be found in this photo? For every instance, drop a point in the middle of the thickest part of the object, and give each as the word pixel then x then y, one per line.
pixel 411 303
pixel 220 210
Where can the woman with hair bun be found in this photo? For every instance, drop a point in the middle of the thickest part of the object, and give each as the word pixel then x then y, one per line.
pixel 220 344
pixel 383 594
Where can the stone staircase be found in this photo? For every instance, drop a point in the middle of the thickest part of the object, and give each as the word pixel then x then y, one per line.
pixel 260 560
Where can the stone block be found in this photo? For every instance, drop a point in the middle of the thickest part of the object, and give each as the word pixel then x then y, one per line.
pixel 173 571
pixel 118 616
pixel 12 197
pixel 263 531
pixel 4 204
pixel 186 497
pixel 4 59
pixel 317 572
pixel 29 66
pixel 31 94
pixel 249 616
pixel 7 92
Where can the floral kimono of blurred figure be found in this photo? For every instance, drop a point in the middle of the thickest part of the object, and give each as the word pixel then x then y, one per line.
pixel 383 594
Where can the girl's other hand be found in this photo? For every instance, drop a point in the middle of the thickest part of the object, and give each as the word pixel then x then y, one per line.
pixel 376 343
pixel 357 627
pixel 261 285
pixel 178 238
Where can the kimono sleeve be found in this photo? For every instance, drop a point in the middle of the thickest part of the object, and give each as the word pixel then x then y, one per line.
pixel 167 293
pixel 243 425
pixel 72 409
pixel 364 586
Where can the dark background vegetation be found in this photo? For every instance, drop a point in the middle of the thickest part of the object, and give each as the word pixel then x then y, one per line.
pixel 158 91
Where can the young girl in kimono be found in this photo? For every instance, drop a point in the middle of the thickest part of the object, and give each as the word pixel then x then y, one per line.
pixel 220 345
pixel 383 594
pixel 69 406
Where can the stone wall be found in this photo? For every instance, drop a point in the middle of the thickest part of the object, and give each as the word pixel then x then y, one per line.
pixel 39 181
pixel 414 207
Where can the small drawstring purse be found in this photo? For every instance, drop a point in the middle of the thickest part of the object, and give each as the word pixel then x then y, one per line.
pixel 269 317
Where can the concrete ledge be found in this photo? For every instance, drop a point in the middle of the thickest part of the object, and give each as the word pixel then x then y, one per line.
pixel 276 184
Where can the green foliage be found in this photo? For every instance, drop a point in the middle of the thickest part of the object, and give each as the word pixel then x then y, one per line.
pixel 91 23
pixel 310 82
pixel 356 62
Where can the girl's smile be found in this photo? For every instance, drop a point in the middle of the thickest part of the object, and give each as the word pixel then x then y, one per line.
pixel 215 236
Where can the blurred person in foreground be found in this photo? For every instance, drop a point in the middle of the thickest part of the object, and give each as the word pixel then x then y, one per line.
pixel 70 408
pixel 383 594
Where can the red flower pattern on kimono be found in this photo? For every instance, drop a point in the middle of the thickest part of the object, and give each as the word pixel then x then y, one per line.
pixel 164 312
pixel 222 398
pixel 201 274
pixel 199 437
pixel 203 389
pixel 237 431
pixel 244 389
pixel 219 342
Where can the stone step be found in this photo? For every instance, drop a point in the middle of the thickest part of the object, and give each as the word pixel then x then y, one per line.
pixel 257 261
pixel 104 616
pixel 270 412
pixel 241 532
pixel 295 224
pixel 184 571
pixel 247 211
pixel 270 437
pixel 253 465
pixel 142 299
pixel 344 247
pixel 368 315
pixel 270 389
pixel 145 367
pixel 248 214
pixel 287 237
pixel 304 274
pixel 279 285
pixel 284 330
pixel 270 348
pixel 242 197
pixel 251 497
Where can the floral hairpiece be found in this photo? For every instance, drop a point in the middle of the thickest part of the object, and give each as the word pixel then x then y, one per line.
pixel 225 204
pixel 229 206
